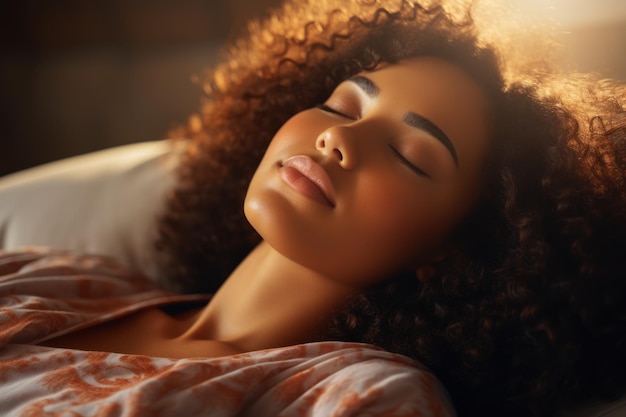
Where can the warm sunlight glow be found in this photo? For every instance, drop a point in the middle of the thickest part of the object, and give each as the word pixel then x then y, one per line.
pixel 588 36
pixel 575 13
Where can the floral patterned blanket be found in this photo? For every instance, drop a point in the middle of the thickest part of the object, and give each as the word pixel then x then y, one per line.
pixel 45 293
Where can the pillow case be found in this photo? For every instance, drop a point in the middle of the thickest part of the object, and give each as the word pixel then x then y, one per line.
pixel 106 202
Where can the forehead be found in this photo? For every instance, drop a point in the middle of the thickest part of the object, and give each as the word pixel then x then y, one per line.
pixel 441 92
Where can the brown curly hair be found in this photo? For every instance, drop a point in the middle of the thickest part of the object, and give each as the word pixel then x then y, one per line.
pixel 530 311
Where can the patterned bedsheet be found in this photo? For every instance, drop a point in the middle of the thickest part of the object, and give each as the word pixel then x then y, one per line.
pixel 46 293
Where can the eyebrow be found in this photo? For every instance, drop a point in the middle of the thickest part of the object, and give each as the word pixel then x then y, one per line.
pixel 412 119
pixel 366 85
pixel 422 123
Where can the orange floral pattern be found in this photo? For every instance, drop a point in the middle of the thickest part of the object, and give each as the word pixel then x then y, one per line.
pixel 46 293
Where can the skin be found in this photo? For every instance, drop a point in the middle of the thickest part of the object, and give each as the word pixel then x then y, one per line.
pixel 353 147
pixel 395 192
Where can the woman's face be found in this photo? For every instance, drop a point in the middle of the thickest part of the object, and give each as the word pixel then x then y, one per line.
pixel 375 180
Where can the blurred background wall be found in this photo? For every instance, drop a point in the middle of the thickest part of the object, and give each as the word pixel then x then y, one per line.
pixel 78 76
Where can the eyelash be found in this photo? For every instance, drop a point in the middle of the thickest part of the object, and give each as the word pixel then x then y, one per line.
pixel 396 153
pixel 408 163
pixel 329 109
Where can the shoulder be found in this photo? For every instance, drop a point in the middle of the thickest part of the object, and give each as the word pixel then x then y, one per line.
pixel 358 380
pixel 46 292
pixel 386 386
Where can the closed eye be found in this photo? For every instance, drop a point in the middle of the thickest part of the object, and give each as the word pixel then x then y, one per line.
pixel 329 109
pixel 408 163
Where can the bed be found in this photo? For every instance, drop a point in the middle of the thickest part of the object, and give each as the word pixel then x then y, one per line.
pixel 99 211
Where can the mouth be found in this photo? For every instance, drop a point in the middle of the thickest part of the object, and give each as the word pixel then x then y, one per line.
pixel 306 176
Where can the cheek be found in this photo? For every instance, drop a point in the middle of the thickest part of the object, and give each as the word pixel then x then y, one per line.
pixel 400 225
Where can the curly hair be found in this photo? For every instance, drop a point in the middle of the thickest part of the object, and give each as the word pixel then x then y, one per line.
pixel 529 312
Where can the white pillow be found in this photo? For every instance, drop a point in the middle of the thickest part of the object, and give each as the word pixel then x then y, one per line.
pixel 105 202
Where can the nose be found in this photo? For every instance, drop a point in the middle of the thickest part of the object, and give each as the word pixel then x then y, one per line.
pixel 337 143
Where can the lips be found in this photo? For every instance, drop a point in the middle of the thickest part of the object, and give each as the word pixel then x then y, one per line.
pixel 306 176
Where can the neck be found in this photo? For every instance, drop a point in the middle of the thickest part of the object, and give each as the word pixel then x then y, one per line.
pixel 269 301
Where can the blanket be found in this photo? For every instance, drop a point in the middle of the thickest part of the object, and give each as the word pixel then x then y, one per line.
pixel 46 293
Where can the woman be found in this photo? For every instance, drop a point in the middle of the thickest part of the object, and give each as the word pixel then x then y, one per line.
pixel 520 307
pixel 410 197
